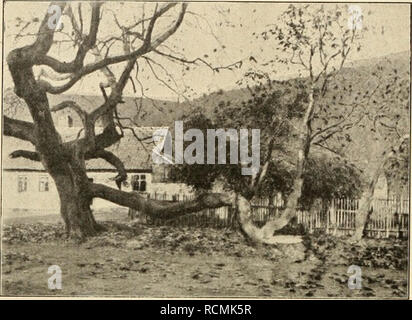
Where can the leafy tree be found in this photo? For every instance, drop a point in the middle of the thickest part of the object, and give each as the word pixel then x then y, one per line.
pixel 276 104
pixel 328 177
pixel 325 177
pixel 386 120
pixel 316 41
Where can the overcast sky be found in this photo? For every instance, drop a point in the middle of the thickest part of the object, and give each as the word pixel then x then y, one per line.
pixel 220 33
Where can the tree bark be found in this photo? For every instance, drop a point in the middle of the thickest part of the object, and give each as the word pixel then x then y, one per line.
pixel 65 162
pixel 248 229
pixel 75 209
pixel 303 152
pixel 364 212
pixel 158 209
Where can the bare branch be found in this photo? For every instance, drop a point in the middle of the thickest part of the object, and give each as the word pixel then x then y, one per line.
pixel 51 76
pixel 114 161
pixel 115 96
pixel 73 105
pixel 236 64
pixel 44 39
pixel 19 129
pixel 31 155
pixel 87 43
pixel 172 30
pixel 145 48
pixel 156 208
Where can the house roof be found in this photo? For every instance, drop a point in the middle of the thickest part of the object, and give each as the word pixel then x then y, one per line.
pixel 135 155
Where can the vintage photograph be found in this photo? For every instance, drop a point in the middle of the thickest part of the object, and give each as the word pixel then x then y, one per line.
pixel 205 150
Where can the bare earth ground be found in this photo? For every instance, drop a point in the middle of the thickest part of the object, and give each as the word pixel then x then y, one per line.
pixel 187 262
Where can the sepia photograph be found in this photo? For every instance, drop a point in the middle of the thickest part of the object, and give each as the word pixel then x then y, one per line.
pixel 212 149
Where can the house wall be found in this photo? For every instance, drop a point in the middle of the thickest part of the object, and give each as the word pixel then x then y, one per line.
pixel 161 182
pixel 47 202
pixel 169 188
pixel 31 199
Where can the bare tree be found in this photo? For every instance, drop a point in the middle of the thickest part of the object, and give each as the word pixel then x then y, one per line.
pixel 316 42
pixel 65 161
pixel 387 121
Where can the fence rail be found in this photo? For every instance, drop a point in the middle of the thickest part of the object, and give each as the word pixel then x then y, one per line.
pixel 389 218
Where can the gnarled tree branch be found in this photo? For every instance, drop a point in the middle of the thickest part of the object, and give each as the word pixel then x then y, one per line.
pixel 157 208
pixel 31 155
pixel 87 43
pixel 72 105
pixel 19 129
pixel 114 161
pixel 145 48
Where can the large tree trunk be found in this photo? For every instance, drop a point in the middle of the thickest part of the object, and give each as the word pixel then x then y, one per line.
pixel 364 212
pixel 65 161
pixel 257 235
pixel 75 209
pixel 77 215
pixel 303 152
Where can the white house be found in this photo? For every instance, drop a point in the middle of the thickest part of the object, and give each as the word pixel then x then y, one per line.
pixel 28 187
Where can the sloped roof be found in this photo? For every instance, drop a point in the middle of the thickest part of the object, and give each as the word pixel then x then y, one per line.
pixel 143 111
pixel 134 154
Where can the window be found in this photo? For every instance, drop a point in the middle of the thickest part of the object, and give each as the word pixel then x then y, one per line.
pixel 69 121
pixel 166 174
pixel 22 184
pixel 135 183
pixel 44 184
pixel 142 183
pixel 139 183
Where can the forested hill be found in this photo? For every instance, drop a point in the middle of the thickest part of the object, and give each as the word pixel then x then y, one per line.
pixel 152 112
pixel 355 74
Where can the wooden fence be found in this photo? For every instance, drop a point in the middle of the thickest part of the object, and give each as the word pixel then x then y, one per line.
pixel 389 218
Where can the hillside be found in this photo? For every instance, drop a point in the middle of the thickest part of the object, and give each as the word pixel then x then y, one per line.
pixel 147 112
pixel 152 112
pixel 357 73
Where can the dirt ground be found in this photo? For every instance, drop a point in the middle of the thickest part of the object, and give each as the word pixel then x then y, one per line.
pixel 148 261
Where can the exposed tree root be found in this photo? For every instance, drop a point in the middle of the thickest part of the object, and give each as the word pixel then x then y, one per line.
pixel 261 235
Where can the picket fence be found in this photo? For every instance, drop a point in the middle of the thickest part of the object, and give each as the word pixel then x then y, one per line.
pixel 389 218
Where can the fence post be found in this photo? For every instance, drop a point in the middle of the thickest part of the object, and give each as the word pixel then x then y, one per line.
pixel 327 220
pixel 333 217
pixel 390 216
pixel 230 217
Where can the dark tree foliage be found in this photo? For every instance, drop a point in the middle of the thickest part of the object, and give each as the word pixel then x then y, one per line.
pixel 325 176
